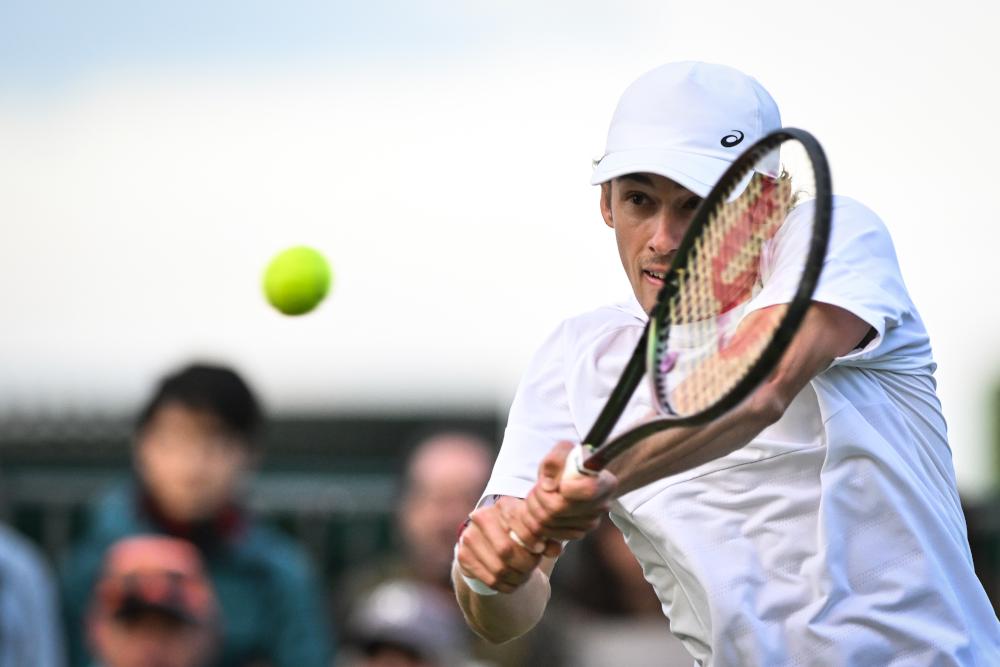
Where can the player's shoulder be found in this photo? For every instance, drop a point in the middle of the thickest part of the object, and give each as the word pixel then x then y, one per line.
pixel 853 224
pixel 596 328
pixel 847 210
pixel 856 225
pixel 605 319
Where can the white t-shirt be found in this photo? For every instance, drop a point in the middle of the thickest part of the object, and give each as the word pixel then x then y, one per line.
pixel 836 536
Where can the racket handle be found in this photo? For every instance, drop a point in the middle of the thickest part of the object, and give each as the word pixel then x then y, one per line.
pixel 574 465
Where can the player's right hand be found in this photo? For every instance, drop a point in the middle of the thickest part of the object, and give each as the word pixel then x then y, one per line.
pixel 561 507
pixel 487 552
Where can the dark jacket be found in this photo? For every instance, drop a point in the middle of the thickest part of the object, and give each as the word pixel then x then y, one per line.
pixel 264 582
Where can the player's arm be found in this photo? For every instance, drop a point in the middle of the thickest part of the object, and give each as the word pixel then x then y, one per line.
pixel 826 333
pixel 486 552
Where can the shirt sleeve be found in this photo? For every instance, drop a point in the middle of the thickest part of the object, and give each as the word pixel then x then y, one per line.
pixel 563 390
pixel 539 418
pixel 860 273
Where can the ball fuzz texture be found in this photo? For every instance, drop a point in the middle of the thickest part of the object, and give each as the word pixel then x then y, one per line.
pixel 296 280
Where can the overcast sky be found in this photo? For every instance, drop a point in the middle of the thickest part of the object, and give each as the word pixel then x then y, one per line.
pixel 153 159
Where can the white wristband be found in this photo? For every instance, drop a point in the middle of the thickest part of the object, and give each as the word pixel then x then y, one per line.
pixel 475 585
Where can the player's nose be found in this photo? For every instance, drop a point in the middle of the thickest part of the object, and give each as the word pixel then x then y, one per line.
pixel 666 234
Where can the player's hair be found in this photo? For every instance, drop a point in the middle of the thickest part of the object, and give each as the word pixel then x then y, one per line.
pixel 217 390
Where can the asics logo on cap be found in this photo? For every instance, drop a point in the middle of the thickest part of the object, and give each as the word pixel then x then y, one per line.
pixel 731 140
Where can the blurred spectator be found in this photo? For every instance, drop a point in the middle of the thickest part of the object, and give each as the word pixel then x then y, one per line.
pixel 444 476
pixel 195 447
pixel 407 624
pixel 153 606
pixel 443 479
pixel 30 632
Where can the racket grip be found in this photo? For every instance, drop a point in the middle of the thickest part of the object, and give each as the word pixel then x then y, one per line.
pixel 574 465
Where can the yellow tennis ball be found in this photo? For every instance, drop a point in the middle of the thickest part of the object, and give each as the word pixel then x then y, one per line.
pixel 296 280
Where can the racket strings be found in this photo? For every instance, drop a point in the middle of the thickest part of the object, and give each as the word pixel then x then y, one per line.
pixel 709 357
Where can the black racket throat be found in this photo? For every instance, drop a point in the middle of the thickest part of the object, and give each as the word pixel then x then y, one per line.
pixel 599 450
pixel 619 399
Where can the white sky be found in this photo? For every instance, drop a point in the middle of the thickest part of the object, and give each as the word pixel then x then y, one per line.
pixel 440 159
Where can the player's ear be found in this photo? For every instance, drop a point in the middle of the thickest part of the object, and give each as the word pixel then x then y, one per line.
pixel 606 204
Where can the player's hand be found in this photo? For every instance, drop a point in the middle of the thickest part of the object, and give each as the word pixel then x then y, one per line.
pixel 562 508
pixel 487 552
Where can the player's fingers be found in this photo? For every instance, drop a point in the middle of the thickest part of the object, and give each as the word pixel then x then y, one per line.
pixel 473 559
pixel 530 517
pixel 573 532
pixel 522 533
pixel 550 470
pixel 524 530
pixel 512 556
pixel 543 523
pixel 477 558
pixel 599 488
pixel 516 557
pixel 551 509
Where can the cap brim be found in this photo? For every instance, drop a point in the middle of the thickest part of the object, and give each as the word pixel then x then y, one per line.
pixel 697 173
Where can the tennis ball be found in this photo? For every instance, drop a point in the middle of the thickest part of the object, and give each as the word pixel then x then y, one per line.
pixel 296 280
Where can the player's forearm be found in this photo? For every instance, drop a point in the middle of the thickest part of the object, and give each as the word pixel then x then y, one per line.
pixel 678 449
pixel 827 333
pixel 502 617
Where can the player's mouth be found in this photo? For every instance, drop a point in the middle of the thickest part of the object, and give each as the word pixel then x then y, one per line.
pixel 655 277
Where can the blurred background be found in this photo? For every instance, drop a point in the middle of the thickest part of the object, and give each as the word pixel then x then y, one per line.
pixel 155 155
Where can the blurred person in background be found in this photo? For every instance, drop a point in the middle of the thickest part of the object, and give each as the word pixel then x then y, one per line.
pixel 444 475
pixel 153 606
pixel 195 447
pixel 30 630
pixel 407 624
pixel 442 481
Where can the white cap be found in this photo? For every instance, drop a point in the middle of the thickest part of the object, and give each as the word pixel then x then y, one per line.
pixel 687 121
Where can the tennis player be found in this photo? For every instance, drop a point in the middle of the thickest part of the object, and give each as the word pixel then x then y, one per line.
pixel 818 522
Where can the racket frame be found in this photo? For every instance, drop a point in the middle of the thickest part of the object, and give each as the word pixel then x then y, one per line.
pixel 598 453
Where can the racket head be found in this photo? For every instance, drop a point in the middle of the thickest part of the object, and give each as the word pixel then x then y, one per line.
pixel 699 361
pixel 703 355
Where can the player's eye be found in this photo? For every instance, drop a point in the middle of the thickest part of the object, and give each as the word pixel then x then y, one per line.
pixel 636 198
pixel 691 203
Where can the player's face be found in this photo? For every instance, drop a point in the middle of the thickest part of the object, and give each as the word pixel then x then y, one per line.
pixel 650 215
pixel 189 463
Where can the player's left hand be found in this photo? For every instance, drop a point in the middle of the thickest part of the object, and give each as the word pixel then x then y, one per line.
pixel 559 508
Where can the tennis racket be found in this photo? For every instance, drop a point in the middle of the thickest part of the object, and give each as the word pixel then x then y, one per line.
pixel 699 360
